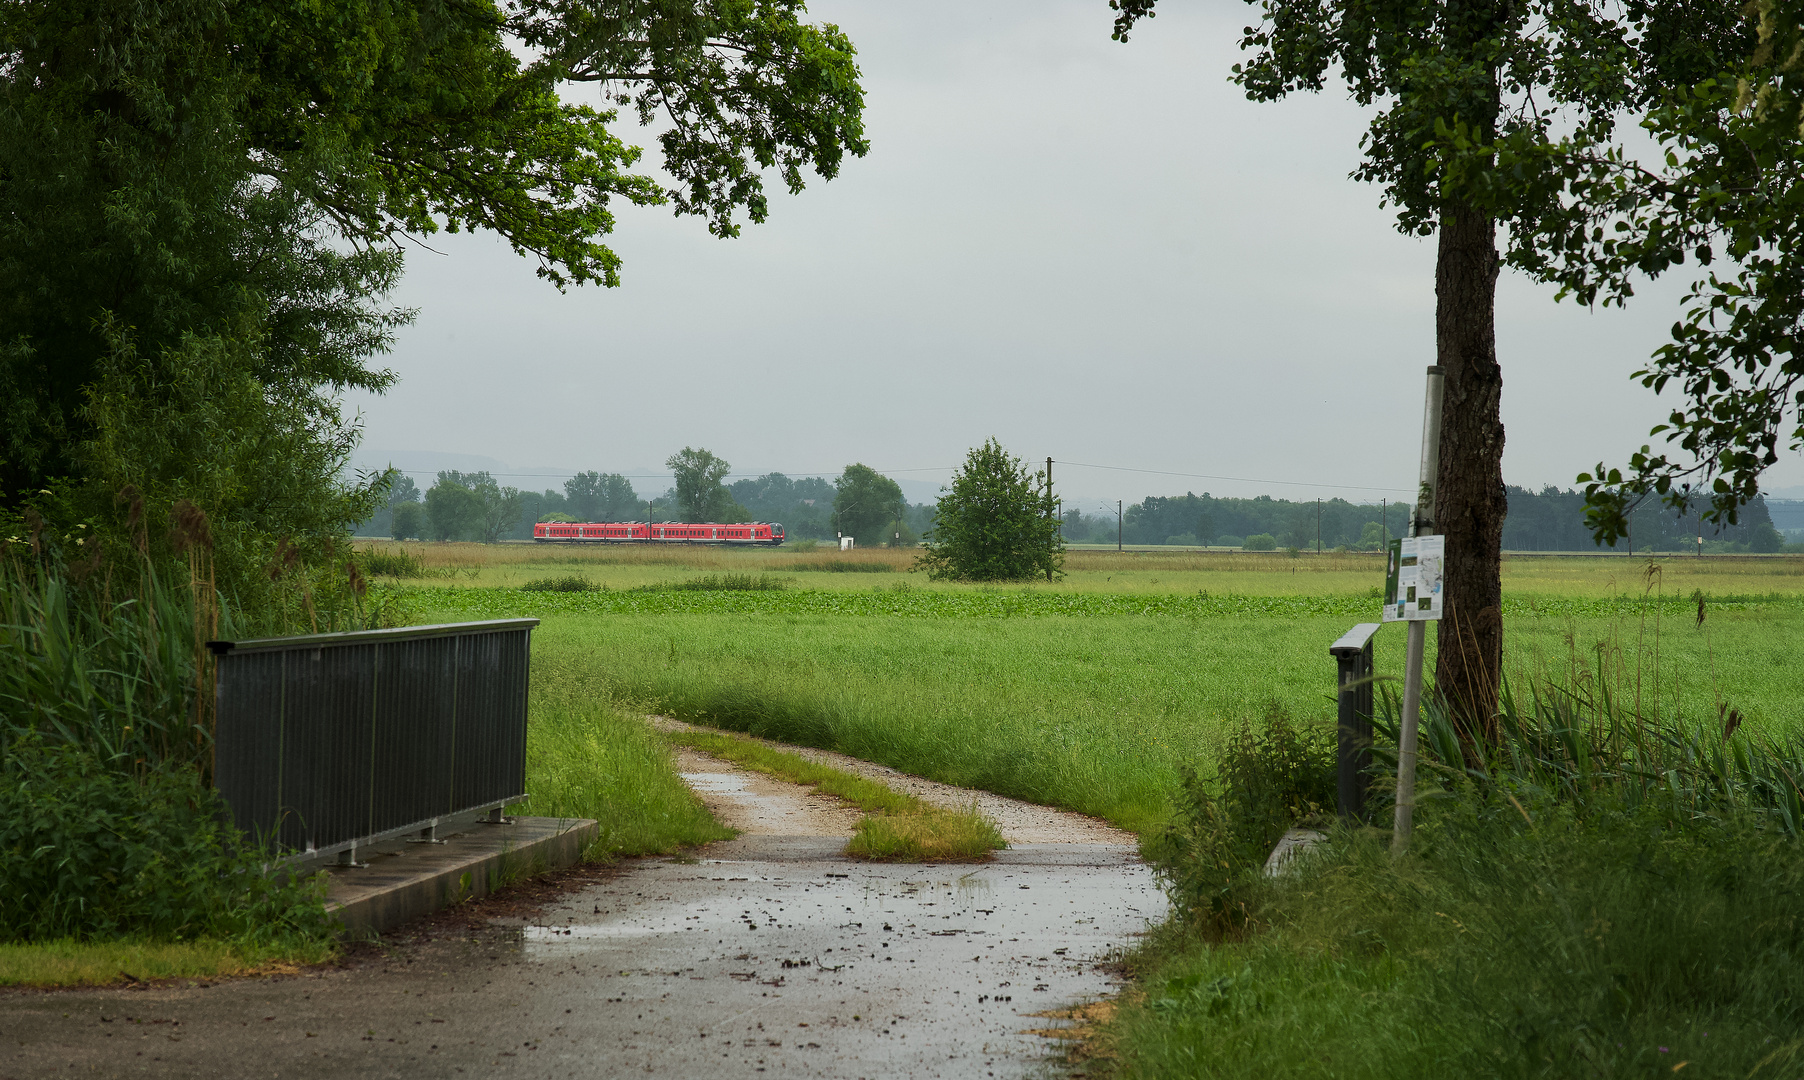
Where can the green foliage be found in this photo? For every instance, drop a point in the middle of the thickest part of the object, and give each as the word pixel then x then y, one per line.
pixel 408 522
pixel 1510 944
pixel 993 522
pixel 1723 186
pixel 203 205
pixel 589 757
pixel 1260 542
pixel 88 850
pixel 719 583
pixel 700 494
pixel 398 563
pixel 866 503
pixel 565 583
pixel 841 565
pixel 593 496
pixel 454 511
pixel 116 678
pixel 1265 780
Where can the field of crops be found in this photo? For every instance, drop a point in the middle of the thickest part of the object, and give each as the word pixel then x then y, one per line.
pixel 1092 693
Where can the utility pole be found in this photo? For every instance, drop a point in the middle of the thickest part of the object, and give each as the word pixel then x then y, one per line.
pixel 1050 519
pixel 1318 526
pixel 1423 525
pixel 1384 521
pixel 1117 524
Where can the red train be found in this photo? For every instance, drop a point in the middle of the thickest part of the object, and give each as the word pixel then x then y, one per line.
pixel 749 533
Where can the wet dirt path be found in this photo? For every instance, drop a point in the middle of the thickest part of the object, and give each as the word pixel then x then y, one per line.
pixel 767 955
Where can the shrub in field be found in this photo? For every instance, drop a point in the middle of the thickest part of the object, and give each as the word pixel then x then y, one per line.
pixel 566 583
pixel 720 583
pixel 802 545
pixel 1266 779
pixel 842 566
pixel 398 563
pixel 88 850
pixel 993 522
pixel 1260 542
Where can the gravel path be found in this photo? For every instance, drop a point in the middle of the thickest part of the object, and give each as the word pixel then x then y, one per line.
pixel 1020 822
pixel 768 955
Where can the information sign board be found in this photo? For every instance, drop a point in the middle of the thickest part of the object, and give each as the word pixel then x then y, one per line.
pixel 1413 575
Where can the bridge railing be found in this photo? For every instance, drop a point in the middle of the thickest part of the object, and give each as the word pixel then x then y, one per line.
pixel 330 742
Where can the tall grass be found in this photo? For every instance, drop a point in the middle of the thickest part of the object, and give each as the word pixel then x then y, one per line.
pixel 123 678
pixel 1610 890
pixel 589 757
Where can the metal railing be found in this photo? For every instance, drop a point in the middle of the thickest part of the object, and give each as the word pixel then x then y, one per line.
pixel 329 742
pixel 1353 654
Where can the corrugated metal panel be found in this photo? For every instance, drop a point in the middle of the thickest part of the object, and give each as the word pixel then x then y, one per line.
pixel 333 740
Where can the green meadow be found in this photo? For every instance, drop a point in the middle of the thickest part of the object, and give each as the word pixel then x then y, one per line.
pixel 1095 692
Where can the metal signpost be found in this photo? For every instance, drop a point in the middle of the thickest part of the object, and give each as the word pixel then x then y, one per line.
pixel 1413 576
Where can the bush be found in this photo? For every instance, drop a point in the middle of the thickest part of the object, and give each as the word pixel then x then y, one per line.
pixel 1260 542
pixel 720 583
pixel 566 583
pixel 993 523
pixel 842 566
pixel 88 851
pixel 802 545
pixel 399 563
pixel 1266 780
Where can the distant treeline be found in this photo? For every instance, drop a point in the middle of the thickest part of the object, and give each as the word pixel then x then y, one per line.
pixel 1548 520
pixel 1263 523
pixel 1554 520
pixel 472 506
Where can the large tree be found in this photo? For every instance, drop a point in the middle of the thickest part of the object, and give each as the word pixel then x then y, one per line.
pixel 214 193
pixel 1468 96
pixel 594 496
pixel 700 495
pixel 866 504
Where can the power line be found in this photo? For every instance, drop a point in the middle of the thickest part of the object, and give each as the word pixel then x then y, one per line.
pixel 1239 479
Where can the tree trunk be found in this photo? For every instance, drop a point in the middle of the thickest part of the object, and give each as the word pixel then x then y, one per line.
pixel 1469 498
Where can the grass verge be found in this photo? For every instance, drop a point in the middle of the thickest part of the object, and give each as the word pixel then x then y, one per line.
pixel 589 757
pixel 897 827
pixel 101 963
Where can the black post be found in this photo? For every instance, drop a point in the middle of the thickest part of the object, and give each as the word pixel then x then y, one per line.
pixel 1353 656
pixel 1117 524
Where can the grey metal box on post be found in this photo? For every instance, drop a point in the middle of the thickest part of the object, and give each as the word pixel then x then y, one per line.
pixel 1352 652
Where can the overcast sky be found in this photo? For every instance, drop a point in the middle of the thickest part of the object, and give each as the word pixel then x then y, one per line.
pixel 1093 251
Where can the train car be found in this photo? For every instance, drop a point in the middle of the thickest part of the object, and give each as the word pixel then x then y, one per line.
pixel 734 534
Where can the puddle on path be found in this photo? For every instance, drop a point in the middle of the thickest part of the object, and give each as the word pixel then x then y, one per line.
pixel 788 959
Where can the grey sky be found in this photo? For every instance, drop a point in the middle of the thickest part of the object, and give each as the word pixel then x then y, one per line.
pixel 1093 251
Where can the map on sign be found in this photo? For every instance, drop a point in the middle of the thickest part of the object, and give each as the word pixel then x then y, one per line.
pixel 1412 578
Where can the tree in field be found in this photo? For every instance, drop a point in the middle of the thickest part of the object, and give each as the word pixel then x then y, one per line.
pixel 204 204
pixel 455 510
pixel 867 504
pixel 993 523
pixel 700 495
pixel 409 522
pixel 593 496
pixel 1468 94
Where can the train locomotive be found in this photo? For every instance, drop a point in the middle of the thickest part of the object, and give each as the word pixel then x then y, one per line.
pixel 739 533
